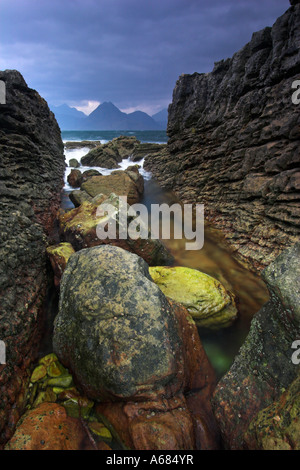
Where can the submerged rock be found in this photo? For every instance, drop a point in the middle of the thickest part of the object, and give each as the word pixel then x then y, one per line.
pixel 264 366
pixel 129 347
pixel 205 298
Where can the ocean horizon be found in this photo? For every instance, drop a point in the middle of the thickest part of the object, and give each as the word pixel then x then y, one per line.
pixel 157 136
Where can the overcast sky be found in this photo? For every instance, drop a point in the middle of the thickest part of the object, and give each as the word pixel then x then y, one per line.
pixel 130 52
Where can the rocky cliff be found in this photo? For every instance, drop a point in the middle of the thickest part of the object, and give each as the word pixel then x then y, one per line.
pixel 31 178
pixel 234 143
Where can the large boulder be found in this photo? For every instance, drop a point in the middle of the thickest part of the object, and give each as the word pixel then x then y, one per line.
pixel 124 343
pixel 264 366
pixel 32 167
pixel 206 299
pixel 125 321
pixel 80 228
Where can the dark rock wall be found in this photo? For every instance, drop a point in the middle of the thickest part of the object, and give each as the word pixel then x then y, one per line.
pixel 31 178
pixel 234 143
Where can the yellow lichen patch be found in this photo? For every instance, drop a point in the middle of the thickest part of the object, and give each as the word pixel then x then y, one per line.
pixel 46 360
pixel 100 430
pixel 39 373
pixel 206 299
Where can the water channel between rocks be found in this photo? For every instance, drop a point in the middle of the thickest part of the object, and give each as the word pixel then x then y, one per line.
pixel 215 260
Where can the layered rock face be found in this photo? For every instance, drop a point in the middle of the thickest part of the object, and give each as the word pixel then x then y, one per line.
pixel 234 143
pixel 31 177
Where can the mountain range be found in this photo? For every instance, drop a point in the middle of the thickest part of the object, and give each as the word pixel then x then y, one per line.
pixel 107 117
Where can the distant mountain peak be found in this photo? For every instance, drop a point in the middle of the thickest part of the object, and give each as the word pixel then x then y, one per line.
pixel 105 117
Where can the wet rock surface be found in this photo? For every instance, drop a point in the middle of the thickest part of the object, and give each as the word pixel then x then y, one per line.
pixel 234 143
pixel 31 173
pixel 263 369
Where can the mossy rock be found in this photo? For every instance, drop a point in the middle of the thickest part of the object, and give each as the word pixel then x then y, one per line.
pixel 206 299
pixel 55 369
pixel 78 407
pixel 277 427
pixel 73 163
pixel 49 358
pixel 39 373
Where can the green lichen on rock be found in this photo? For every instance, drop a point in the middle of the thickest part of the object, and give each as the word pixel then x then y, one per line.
pixel 206 299
pixel 277 427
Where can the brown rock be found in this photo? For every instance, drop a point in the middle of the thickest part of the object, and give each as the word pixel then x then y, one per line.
pixel 75 178
pixel 48 427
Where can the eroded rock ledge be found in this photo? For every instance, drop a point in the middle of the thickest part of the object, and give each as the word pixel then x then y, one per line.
pixel 234 143
pixel 31 178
